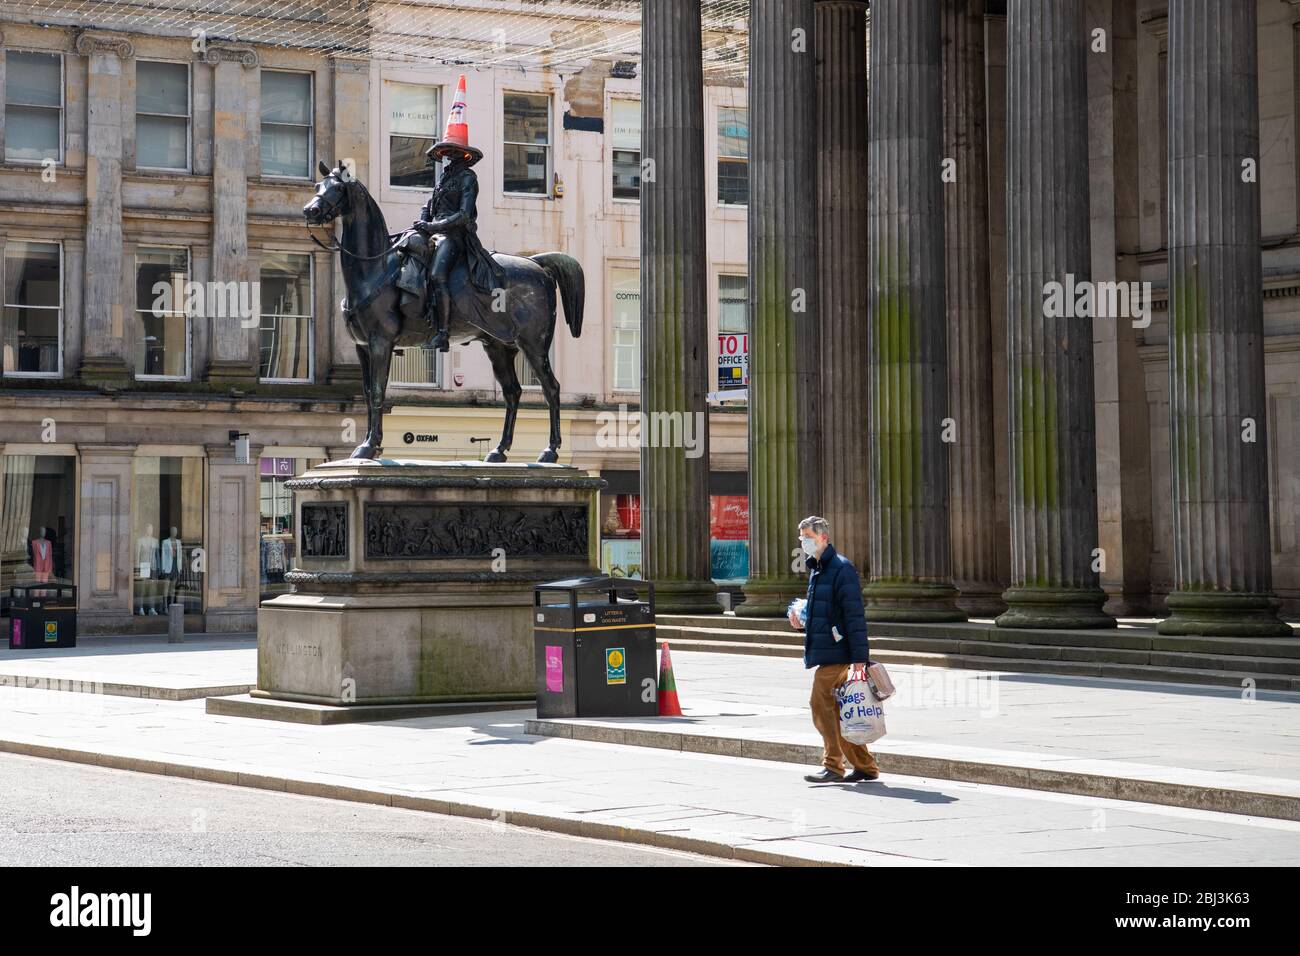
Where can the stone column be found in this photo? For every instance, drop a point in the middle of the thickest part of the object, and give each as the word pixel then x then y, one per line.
pixel 842 271
pixel 972 482
pixel 232 346
pixel 105 537
pixel 674 311
pixel 104 358
pixel 231 579
pixel 1053 466
pixel 351 79
pixel 910 577
pixel 784 403
pixel 1223 574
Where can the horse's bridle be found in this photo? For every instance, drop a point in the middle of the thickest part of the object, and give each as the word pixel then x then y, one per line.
pixel 336 247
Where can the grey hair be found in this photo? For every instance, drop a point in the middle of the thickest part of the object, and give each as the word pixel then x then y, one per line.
pixel 818 525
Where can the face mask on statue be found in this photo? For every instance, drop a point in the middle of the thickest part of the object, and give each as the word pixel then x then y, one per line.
pixel 809 546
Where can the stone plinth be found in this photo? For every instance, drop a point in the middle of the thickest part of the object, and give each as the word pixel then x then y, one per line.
pixel 414 580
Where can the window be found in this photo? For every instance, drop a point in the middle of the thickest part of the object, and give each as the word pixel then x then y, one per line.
pixel 625 137
pixel 731 303
pixel 162 347
pixel 286 124
pixel 33 107
pixel 162 115
pixel 167 521
pixel 276 548
pixel 526 153
pixel 412 129
pixel 416 366
pixel 37 543
pixel 286 317
pixel 733 156
pixel 524 369
pixel 33 321
pixel 626 309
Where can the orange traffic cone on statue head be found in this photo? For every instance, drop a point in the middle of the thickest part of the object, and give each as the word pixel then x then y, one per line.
pixel 668 704
pixel 455 139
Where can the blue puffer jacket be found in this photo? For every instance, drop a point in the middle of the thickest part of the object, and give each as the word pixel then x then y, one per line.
pixel 834 600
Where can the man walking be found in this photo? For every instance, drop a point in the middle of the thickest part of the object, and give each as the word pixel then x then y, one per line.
pixel 835 643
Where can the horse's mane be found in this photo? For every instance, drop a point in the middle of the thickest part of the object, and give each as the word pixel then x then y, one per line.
pixel 379 236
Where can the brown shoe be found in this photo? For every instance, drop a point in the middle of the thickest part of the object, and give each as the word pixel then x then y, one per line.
pixel 859 776
pixel 826 776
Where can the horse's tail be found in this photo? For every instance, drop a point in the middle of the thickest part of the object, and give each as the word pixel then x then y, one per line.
pixel 567 273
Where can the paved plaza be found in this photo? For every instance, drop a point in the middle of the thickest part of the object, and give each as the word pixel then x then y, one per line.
pixel 762 810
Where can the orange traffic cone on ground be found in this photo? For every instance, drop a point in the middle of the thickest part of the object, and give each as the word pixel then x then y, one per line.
pixel 668 705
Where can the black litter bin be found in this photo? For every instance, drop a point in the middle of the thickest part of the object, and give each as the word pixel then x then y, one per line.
pixel 595 651
pixel 42 615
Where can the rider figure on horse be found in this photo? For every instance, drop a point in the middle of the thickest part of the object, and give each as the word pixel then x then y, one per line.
pixel 452 214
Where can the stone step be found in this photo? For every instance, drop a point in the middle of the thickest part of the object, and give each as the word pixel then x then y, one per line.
pixel 1012 652
pixel 1074 667
pixel 1125 636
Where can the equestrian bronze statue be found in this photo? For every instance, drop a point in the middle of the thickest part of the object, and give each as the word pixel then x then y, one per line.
pixel 436 285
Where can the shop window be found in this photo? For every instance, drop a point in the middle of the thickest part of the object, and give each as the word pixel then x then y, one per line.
pixel 412 129
pixel 167 546
pixel 625 140
pixel 162 115
pixel 526 149
pixel 286 124
pixel 33 107
pixel 33 309
pixel 277 532
pixel 286 348
pixel 733 156
pixel 162 347
pixel 620 539
pixel 625 308
pixel 37 541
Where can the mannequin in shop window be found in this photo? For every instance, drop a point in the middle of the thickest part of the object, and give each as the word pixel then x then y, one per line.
pixel 146 559
pixel 42 556
pixel 173 555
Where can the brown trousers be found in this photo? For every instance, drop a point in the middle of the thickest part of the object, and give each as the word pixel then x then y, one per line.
pixel 826 718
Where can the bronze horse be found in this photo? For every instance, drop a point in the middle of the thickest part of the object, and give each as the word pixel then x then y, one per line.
pixel 381 317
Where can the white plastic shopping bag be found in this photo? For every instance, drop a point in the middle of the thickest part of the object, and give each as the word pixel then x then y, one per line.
pixel 862 719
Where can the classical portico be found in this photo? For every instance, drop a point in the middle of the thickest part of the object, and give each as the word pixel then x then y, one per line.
pixel 975 449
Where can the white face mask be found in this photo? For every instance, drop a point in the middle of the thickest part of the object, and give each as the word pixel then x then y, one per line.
pixel 809 546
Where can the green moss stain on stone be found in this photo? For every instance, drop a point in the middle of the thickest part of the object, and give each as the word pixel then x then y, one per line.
pixel 1188 373
pixel 897 406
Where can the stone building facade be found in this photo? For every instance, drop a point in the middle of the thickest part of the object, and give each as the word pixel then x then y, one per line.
pixel 130 160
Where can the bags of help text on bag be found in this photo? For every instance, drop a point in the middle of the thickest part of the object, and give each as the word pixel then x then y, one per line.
pixel 862 719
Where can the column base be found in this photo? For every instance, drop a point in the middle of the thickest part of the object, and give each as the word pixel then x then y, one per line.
pixel 981 600
pixel 924 603
pixel 685 597
pixel 1055 608
pixel 1223 614
pixel 105 370
pixel 770 598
